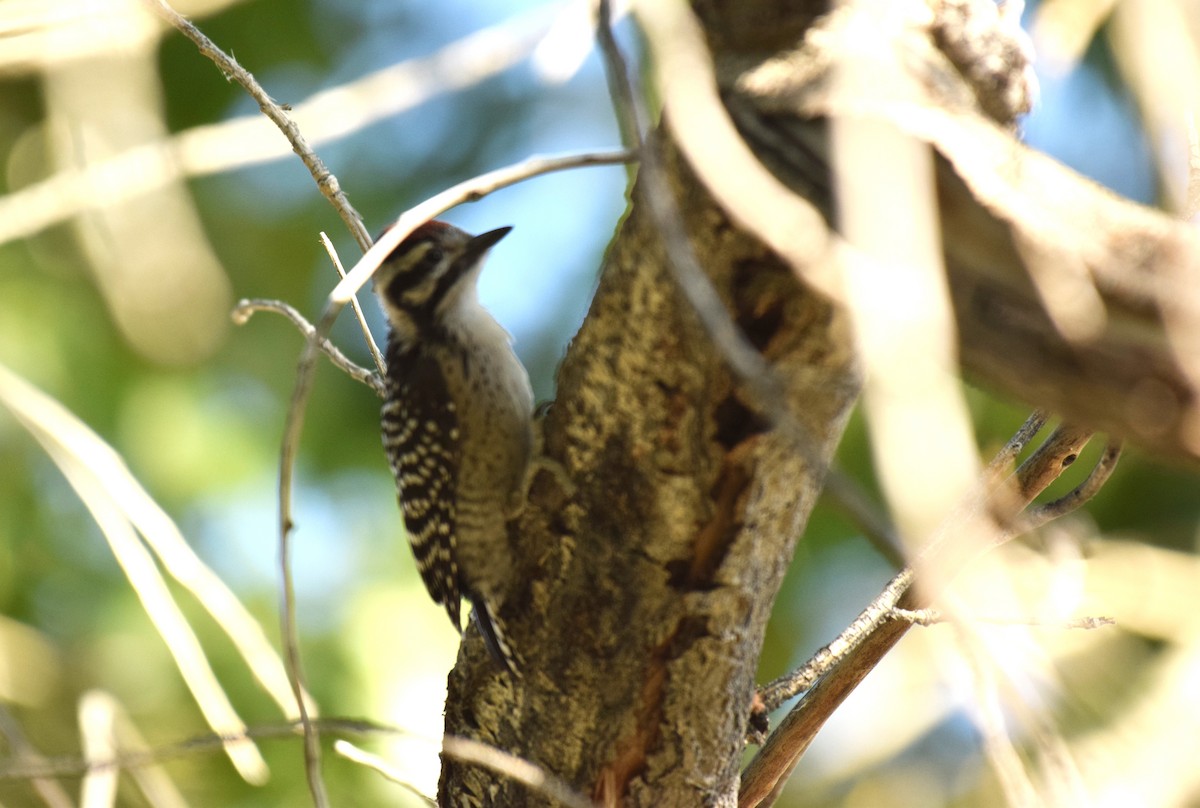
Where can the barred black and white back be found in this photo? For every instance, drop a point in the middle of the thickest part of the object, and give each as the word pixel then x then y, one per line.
pixel 421 438
pixel 456 422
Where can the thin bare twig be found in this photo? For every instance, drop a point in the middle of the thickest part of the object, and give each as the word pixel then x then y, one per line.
pixel 246 308
pixel 838 668
pixel 75 766
pixel 378 764
pixel 514 768
pixel 932 617
pixel 1020 439
pixel 290 630
pixel 24 753
pixel 1037 516
pixel 326 181
pixel 471 190
pixel 620 87
pixel 380 364
pixel 878 612
pixel 464 749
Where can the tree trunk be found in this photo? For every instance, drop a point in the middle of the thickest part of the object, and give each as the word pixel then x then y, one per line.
pixel 649 585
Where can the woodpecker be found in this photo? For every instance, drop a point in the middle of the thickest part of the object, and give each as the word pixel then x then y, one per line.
pixel 457 422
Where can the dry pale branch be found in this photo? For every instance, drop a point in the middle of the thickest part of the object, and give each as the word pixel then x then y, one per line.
pixel 898 299
pixel 96 727
pixel 249 140
pixel 376 354
pixel 378 764
pixel 140 757
pixel 534 777
pixel 933 617
pixel 1025 241
pixel 885 605
pixel 109 762
pixel 838 668
pixel 23 753
pixel 128 518
pixel 245 309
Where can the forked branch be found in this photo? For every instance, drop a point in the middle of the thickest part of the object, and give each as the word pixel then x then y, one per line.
pixel 835 670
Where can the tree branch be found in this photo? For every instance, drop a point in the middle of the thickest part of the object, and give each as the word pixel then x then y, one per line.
pixel 246 308
pixel 326 181
pixel 1066 296
pixel 837 669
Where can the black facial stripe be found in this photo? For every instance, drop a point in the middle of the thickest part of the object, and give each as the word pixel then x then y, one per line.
pixel 412 276
pixel 423 313
pixel 446 282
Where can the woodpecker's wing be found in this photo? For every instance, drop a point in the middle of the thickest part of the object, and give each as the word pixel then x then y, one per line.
pixel 423 441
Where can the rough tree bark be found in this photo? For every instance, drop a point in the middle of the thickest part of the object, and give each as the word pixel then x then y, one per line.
pixel 653 580
pixel 649 578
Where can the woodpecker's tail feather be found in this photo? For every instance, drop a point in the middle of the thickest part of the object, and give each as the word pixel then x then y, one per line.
pixel 491 627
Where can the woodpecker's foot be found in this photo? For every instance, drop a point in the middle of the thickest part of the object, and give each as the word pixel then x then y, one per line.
pixel 539 463
pixel 555 470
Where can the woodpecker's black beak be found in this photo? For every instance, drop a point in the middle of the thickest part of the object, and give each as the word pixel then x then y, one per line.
pixel 477 246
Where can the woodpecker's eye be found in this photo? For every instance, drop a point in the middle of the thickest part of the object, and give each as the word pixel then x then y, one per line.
pixel 405 289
